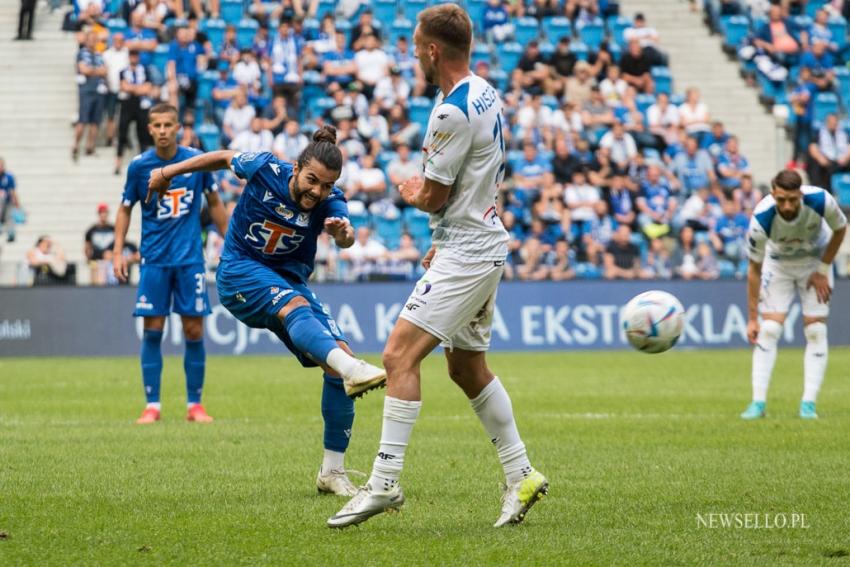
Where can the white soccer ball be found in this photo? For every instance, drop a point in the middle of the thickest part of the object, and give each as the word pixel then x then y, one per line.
pixel 653 321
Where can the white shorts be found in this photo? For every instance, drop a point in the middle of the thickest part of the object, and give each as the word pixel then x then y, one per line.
pixel 779 281
pixel 455 301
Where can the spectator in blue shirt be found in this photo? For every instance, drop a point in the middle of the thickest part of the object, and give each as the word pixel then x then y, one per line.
pixel 141 39
pixel 820 31
pixel 774 38
pixel 802 104
pixel 8 201
pixel 338 64
pixel 497 22
pixel 530 174
pixel 185 57
pixel 715 140
pixel 730 232
pixel 820 62
pixel 732 165
pixel 656 203
pixel 693 167
pixel 224 90
pixel 829 154
pixel 621 199
pixel 285 67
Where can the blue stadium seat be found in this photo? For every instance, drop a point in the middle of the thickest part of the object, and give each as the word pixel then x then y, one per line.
pixel 319 105
pixel 481 52
pixel 215 32
pixel 344 26
pixel 245 32
pixel 388 230
pixel 401 27
pixel 643 102
pixel 500 78
pixel 727 269
pixel 210 136
pixel 838 26
pixel 116 25
pixel 384 10
pixel 325 7
pixel 617 25
pixel 546 49
pixel 416 222
pixel 812 7
pixel 526 30
pixel 841 188
pixel 411 8
pixel 800 23
pixel 509 55
pixel 557 27
pixel 592 34
pixel 359 218
pixel 384 159
pixel 206 82
pixel 160 58
pixel 476 9
pixel 231 11
pixel 580 50
pixel 825 103
pixel 587 271
pixel 737 29
pixel 663 80
pixel 842 78
pixel 420 111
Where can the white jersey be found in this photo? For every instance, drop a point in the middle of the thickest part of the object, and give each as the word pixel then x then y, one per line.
pixel 464 148
pixel 799 240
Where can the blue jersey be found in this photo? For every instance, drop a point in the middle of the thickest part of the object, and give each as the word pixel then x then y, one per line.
pixel 171 226
pixel 7 185
pixel 267 225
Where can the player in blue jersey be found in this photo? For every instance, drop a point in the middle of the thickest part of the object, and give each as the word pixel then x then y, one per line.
pixel 268 256
pixel 172 272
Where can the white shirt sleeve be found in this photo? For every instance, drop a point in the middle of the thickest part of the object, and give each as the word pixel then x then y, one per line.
pixel 756 241
pixel 450 140
pixel 832 213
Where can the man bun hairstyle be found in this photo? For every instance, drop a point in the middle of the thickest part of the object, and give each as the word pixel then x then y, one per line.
pixel 323 148
pixel 787 179
pixel 450 25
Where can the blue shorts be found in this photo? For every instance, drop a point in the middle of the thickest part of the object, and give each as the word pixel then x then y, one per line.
pixel 255 294
pixel 185 285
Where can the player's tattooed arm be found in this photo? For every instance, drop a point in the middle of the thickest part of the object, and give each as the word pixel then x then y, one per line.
pixel 340 230
pixel 160 178
pixel 753 287
pixel 820 277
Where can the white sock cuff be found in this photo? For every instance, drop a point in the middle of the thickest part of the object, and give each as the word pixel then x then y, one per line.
pixel 815 333
pixel 479 400
pixel 769 332
pixel 403 411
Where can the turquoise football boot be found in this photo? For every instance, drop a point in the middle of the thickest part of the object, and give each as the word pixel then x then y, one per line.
pixel 807 410
pixel 754 411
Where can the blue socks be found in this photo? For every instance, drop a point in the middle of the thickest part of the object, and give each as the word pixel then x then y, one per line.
pixel 151 364
pixel 308 334
pixel 194 362
pixel 338 413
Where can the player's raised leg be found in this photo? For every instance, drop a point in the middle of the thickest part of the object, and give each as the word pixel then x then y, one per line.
pixel 194 365
pixel 311 337
pixel 151 359
pixel 403 354
pixel 524 486
pixel 338 416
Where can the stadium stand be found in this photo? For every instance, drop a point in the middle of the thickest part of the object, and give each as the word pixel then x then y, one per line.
pixel 583 154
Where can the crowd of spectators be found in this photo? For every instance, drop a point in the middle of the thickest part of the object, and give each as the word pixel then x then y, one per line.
pixel 611 174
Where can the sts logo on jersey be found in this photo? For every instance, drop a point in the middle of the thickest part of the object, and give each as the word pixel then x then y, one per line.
pixel 271 238
pixel 176 203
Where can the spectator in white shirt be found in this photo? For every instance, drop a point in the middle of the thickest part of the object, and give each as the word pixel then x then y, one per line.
pixel 392 89
pixel 364 254
pixel 371 183
pixel 238 116
pixel 399 170
pixel 289 144
pixel 581 198
pixel 534 117
pixel 613 87
pixel 253 140
pixel 116 58
pixel 621 144
pixel 663 119
pixel 694 114
pixel 830 154
pixel 374 128
pixel 372 64
pixel 247 72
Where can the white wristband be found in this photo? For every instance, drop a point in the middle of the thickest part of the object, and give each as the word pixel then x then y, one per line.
pixel 824 268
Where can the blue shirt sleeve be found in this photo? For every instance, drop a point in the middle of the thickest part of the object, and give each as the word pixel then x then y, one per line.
pixel 131 194
pixel 245 165
pixel 172 51
pixel 336 207
pixel 12 185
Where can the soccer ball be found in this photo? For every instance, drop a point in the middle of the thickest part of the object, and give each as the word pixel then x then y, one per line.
pixel 653 321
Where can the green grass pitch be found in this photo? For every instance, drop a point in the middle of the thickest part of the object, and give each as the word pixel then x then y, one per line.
pixel 637 448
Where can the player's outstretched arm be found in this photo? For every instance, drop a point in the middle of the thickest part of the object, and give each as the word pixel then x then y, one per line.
pixel 160 179
pixel 119 262
pixel 753 286
pixel 341 231
pixel 425 194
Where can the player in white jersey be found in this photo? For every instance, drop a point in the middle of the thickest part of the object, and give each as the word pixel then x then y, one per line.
pixel 794 235
pixel 453 303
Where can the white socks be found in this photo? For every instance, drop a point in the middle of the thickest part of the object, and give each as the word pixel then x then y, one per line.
pixel 493 407
pixel 814 361
pixel 764 357
pixel 341 361
pixel 154 405
pixel 333 461
pixel 399 417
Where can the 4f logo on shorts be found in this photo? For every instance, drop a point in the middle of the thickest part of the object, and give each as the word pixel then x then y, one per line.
pixel 175 203
pixel 272 239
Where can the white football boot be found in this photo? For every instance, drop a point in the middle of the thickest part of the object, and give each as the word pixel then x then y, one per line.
pixel 335 482
pixel 520 496
pixel 362 378
pixel 366 504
